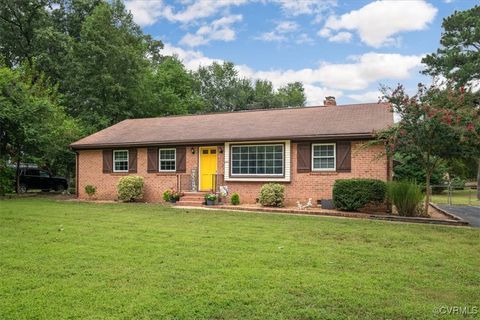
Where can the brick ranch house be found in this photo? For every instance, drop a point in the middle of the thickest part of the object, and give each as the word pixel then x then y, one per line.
pixel 306 149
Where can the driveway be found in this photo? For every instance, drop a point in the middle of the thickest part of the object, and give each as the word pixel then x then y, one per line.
pixel 471 214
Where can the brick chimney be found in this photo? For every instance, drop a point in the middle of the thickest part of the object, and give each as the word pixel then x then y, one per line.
pixel 329 101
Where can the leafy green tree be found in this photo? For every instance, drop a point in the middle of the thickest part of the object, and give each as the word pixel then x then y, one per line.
pixel 224 90
pixel 20 22
pixel 409 167
pixel 292 95
pixel 68 16
pixel 458 58
pixel 108 69
pixel 264 95
pixel 42 33
pixel 217 84
pixel 171 90
pixel 34 127
pixel 434 126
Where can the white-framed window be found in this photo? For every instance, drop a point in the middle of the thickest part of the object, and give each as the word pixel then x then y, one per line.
pixel 167 159
pixel 323 157
pixel 257 160
pixel 120 160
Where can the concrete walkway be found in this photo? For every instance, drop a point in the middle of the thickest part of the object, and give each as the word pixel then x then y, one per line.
pixel 471 214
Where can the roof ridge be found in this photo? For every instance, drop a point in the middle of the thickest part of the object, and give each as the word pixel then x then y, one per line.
pixel 258 110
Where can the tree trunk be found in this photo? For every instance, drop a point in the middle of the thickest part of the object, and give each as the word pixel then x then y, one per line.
pixel 17 176
pixel 478 180
pixel 427 191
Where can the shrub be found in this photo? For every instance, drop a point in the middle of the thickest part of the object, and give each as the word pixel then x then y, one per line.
pixel 354 194
pixel 406 197
pixel 171 195
pixel 272 195
pixel 457 183
pixel 130 188
pixel 210 196
pixel 7 179
pixel 410 168
pixel 90 190
pixel 235 199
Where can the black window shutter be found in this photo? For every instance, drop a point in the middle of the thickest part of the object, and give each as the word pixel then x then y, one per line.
pixel 107 160
pixel 152 160
pixel 181 157
pixel 344 156
pixel 132 160
pixel 304 157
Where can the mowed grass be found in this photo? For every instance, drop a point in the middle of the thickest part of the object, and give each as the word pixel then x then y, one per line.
pixel 138 261
pixel 466 197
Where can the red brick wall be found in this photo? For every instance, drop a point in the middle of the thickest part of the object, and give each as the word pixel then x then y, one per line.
pixel 366 163
pixel 90 172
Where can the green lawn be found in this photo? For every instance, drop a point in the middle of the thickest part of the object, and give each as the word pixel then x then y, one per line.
pixel 459 197
pixel 138 261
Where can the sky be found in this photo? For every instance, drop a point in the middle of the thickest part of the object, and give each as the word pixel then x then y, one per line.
pixel 345 49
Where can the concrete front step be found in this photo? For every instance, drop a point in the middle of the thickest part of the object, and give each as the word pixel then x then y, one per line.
pixel 194 193
pixel 189 203
pixel 193 198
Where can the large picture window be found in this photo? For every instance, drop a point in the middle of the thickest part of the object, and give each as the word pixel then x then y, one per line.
pixel 259 160
pixel 167 159
pixel 120 161
pixel 323 157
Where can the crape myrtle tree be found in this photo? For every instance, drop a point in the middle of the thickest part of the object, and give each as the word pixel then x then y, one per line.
pixel 434 126
pixel 458 58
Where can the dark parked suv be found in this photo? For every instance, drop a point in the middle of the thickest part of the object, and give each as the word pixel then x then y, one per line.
pixel 34 178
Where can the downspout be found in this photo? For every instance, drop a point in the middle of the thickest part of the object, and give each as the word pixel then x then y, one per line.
pixel 76 173
pixel 389 178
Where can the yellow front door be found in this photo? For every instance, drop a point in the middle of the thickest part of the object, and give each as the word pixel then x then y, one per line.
pixel 208 167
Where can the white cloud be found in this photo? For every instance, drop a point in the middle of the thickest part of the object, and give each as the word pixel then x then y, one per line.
pixel 192 59
pixel 280 32
pixel 286 26
pixel 304 38
pixel 369 96
pixel 218 30
pixel 271 37
pixel 327 78
pixel 308 7
pixel 341 37
pixel 368 68
pixel 325 32
pixel 377 22
pixel 316 94
pixel 149 12
pixel 145 13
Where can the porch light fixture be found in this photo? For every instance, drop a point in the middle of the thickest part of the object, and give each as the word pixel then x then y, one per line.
pixel 220 149
pixel 192 150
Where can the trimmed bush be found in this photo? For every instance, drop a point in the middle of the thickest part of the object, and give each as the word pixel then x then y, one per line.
pixel 235 199
pixel 406 197
pixel 272 195
pixel 354 194
pixel 130 188
pixel 90 190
